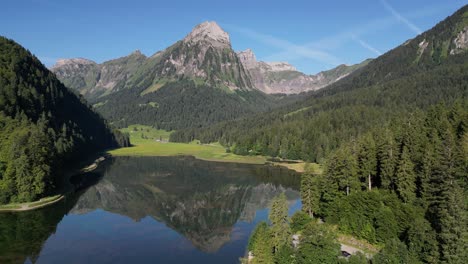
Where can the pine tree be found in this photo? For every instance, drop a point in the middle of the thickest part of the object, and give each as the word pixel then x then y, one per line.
pixel 367 161
pixel 421 241
pixel 343 174
pixel 280 230
pixel 260 244
pixel 318 245
pixel 405 177
pixel 386 159
pixel 310 194
pixel 446 204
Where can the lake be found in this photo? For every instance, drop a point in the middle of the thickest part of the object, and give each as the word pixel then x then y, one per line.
pixel 150 210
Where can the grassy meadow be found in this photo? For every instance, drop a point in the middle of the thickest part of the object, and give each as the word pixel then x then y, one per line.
pixel 148 141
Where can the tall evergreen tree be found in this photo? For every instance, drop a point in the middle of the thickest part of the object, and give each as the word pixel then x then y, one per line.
pixel 318 245
pixel 367 161
pixel 310 193
pixel 386 154
pixel 342 174
pixel 260 244
pixel 280 230
pixel 405 177
pixel 446 204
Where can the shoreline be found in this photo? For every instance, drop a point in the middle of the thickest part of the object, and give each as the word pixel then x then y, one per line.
pixel 207 152
pixel 50 200
pixel 298 167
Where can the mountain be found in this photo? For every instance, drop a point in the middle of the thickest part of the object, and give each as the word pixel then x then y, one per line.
pixel 196 82
pixel 282 77
pixel 188 83
pixel 44 127
pixel 204 55
pixel 428 69
pixel 92 79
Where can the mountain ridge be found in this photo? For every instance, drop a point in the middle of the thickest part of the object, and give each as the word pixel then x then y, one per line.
pixel 282 77
pixel 405 79
pixel 205 54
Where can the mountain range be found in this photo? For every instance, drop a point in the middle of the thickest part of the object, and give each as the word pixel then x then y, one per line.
pixel 236 80
pixel 428 69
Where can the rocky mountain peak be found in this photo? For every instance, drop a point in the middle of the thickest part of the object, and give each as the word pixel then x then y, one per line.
pixel 74 61
pixel 247 58
pixel 136 52
pixel 281 66
pixel 208 31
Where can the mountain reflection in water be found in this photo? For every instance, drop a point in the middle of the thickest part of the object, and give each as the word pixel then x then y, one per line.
pixel 212 205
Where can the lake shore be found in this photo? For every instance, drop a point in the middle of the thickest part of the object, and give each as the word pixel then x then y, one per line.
pixel 208 152
pixel 50 200
pixel 148 141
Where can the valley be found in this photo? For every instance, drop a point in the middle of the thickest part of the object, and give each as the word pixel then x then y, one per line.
pixel 147 141
pixel 214 145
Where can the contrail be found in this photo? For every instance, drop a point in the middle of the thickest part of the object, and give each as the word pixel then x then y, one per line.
pixel 335 41
pixel 366 45
pixel 401 18
pixel 290 49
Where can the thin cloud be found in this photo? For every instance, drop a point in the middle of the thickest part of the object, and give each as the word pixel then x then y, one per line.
pixel 366 45
pixel 290 49
pixel 401 18
pixel 334 42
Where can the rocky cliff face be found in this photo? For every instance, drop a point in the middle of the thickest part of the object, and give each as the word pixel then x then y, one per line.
pixel 282 77
pixel 204 55
pixel 460 42
pixel 90 78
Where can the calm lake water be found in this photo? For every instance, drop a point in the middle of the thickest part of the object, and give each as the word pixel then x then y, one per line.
pixel 151 210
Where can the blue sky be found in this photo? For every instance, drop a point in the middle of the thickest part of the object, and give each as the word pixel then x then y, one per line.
pixel 312 35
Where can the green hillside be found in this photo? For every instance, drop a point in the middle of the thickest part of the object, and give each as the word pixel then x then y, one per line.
pixel 43 127
pixel 397 83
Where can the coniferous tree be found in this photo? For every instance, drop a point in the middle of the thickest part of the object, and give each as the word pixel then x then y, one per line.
pixel 405 177
pixel 280 230
pixel 421 241
pixel 310 193
pixel 318 245
pixel 367 161
pixel 342 174
pixel 446 205
pixel 386 159
pixel 299 220
pixel 260 244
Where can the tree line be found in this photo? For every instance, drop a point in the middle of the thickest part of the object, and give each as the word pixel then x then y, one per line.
pixel 44 127
pixel 401 186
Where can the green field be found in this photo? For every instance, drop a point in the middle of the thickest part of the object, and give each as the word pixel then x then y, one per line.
pixel 147 141
pixel 140 134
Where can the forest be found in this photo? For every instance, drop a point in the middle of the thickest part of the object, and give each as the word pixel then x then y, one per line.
pixel 401 186
pixel 184 104
pixel 44 127
pixel 311 131
pixel 389 87
pixel 394 144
